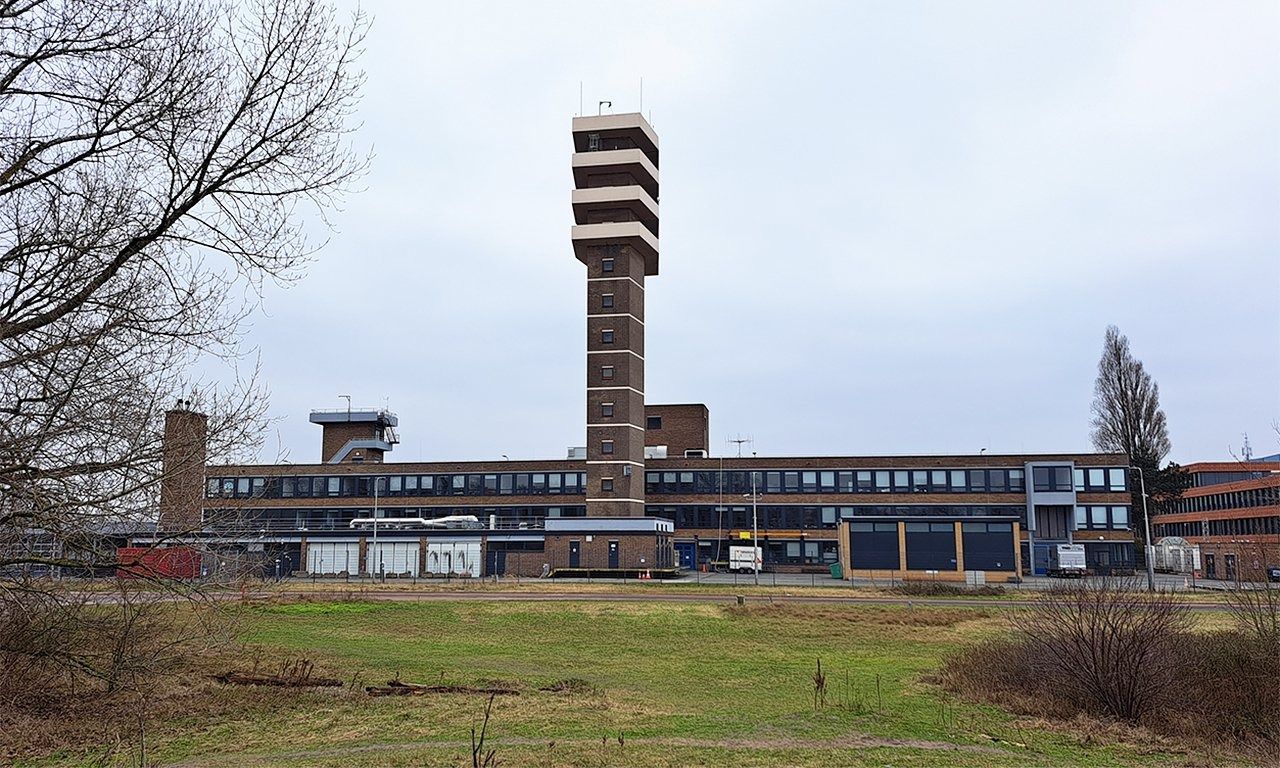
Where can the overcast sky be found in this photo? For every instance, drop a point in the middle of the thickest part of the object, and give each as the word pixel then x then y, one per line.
pixel 887 227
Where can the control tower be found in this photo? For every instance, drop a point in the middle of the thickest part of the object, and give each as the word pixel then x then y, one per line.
pixel 615 210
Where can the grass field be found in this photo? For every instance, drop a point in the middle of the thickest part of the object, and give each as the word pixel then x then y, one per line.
pixel 681 684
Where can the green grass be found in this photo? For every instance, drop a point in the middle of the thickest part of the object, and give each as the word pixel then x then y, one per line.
pixel 683 684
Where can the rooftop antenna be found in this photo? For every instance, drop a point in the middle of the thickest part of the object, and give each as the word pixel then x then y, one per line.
pixel 1247 450
pixel 580 109
pixel 739 440
pixel 601 105
pixel 642 95
pixel 348 406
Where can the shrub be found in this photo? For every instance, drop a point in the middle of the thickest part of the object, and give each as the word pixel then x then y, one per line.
pixel 944 589
pixel 1113 651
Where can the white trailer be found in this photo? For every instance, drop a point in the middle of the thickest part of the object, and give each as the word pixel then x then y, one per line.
pixel 1068 560
pixel 745 559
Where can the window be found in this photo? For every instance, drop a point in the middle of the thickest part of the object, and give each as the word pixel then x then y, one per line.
pixel 606 337
pixel 606 484
pixel 1117 479
pixel 1052 479
pixel 1120 518
pixel 606 371
pixel 606 446
pixel 606 410
pixel 653 422
pixel 606 300
pixel 606 265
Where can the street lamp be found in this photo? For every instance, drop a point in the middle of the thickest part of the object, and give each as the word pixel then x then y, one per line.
pixel 377 553
pixel 1148 549
pixel 756 554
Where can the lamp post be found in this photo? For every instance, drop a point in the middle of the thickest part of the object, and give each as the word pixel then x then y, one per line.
pixel 377 553
pixel 1148 549
pixel 756 555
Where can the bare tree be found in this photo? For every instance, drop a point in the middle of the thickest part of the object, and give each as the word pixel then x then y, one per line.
pixel 159 160
pixel 1127 417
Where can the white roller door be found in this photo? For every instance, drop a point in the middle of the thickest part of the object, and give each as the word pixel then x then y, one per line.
pixel 453 557
pixel 399 558
pixel 333 557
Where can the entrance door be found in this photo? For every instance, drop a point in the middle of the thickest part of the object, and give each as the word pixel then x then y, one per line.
pixel 1210 567
pixel 495 562
pixel 575 554
pixel 1230 561
pixel 1042 558
pixel 688 554
pixel 613 554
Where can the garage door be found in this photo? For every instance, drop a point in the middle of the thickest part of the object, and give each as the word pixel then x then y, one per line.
pixel 333 557
pixel 398 558
pixel 453 557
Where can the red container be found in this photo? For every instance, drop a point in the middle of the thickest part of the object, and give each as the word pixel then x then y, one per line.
pixel 157 563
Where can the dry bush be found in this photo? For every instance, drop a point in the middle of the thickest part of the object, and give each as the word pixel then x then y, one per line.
pixel 1107 647
pixel 1109 650
pixel 945 589
pixel 56 644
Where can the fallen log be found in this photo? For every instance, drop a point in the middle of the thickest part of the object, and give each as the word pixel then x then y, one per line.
pixel 401 688
pixel 255 678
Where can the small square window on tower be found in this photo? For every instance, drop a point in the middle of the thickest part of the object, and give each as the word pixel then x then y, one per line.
pixel 606 371
pixel 606 265
pixel 606 337
pixel 606 446
pixel 606 410
pixel 606 484
pixel 606 300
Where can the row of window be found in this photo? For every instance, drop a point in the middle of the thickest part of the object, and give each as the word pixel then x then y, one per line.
pixel 1101 479
pixel 1200 479
pixel 334 519
pixel 705 482
pixel 1254 497
pixel 795 517
pixel 495 484
pixel 1243 526
pixel 838 481
pixel 1102 518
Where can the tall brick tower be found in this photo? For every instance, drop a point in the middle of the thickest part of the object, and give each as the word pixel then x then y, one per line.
pixel 615 209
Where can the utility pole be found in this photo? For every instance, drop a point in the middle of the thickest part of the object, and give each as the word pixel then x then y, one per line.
pixel 1148 549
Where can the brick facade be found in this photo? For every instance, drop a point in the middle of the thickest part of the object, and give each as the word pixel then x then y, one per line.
pixel 184 455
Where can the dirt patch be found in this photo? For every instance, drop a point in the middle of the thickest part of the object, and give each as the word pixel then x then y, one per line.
pixel 572 685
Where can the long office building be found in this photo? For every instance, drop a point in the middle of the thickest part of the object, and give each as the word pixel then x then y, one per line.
pixel 644 494
pixel 1232 513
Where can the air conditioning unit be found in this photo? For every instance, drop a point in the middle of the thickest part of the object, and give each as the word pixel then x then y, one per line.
pixel 655 451
pixel 695 453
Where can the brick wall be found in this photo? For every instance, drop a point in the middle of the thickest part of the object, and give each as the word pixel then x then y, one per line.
pixel 684 428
